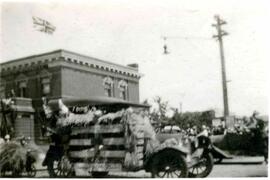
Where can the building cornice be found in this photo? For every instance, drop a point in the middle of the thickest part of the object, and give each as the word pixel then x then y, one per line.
pixel 70 57
pixel 65 65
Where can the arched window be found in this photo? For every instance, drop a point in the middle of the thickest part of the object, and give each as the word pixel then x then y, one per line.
pixel 45 80
pixel 108 86
pixel 123 87
pixel 45 86
pixel 22 85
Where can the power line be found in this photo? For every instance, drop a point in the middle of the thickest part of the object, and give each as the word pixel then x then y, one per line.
pixel 219 37
pixel 189 40
pixel 165 38
pixel 185 37
pixel 200 50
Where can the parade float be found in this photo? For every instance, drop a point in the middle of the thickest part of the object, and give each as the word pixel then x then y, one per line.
pixel 102 135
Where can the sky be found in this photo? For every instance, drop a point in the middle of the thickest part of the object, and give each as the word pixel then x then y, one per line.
pixel 125 31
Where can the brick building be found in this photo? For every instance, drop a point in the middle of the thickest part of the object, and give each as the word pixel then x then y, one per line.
pixel 64 74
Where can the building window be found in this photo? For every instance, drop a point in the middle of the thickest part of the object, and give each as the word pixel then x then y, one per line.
pixel 21 81
pixel 22 85
pixel 108 86
pixel 46 86
pixel 108 90
pixel 123 94
pixel 2 88
pixel 123 87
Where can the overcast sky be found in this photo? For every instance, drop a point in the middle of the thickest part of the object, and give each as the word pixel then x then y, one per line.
pixel 125 31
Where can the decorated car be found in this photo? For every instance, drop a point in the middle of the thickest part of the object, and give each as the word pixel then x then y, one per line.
pixel 102 135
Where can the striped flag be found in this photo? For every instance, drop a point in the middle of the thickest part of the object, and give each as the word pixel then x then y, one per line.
pixel 43 25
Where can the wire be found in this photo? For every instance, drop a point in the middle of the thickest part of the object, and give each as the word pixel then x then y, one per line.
pixel 188 38
pixel 185 37
pixel 201 51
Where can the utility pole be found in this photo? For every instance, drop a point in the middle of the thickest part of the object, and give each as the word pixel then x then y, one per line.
pixel 220 34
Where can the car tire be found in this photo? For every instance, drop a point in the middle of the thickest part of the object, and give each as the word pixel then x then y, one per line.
pixel 169 164
pixel 203 168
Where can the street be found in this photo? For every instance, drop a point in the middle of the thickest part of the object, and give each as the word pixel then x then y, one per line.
pixel 221 170
pixel 238 167
pixel 239 170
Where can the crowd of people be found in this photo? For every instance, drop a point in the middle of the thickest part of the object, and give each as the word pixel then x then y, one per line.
pixel 245 125
pixel 252 126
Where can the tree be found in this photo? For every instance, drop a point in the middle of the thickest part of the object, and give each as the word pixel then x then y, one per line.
pixel 183 120
pixel 158 114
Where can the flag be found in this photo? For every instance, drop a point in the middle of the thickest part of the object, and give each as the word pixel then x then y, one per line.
pixel 43 25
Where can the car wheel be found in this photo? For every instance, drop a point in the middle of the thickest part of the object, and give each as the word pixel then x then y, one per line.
pixel 203 167
pixel 32 172
pixel 53 168
pixel 169 164
pixel 62 168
